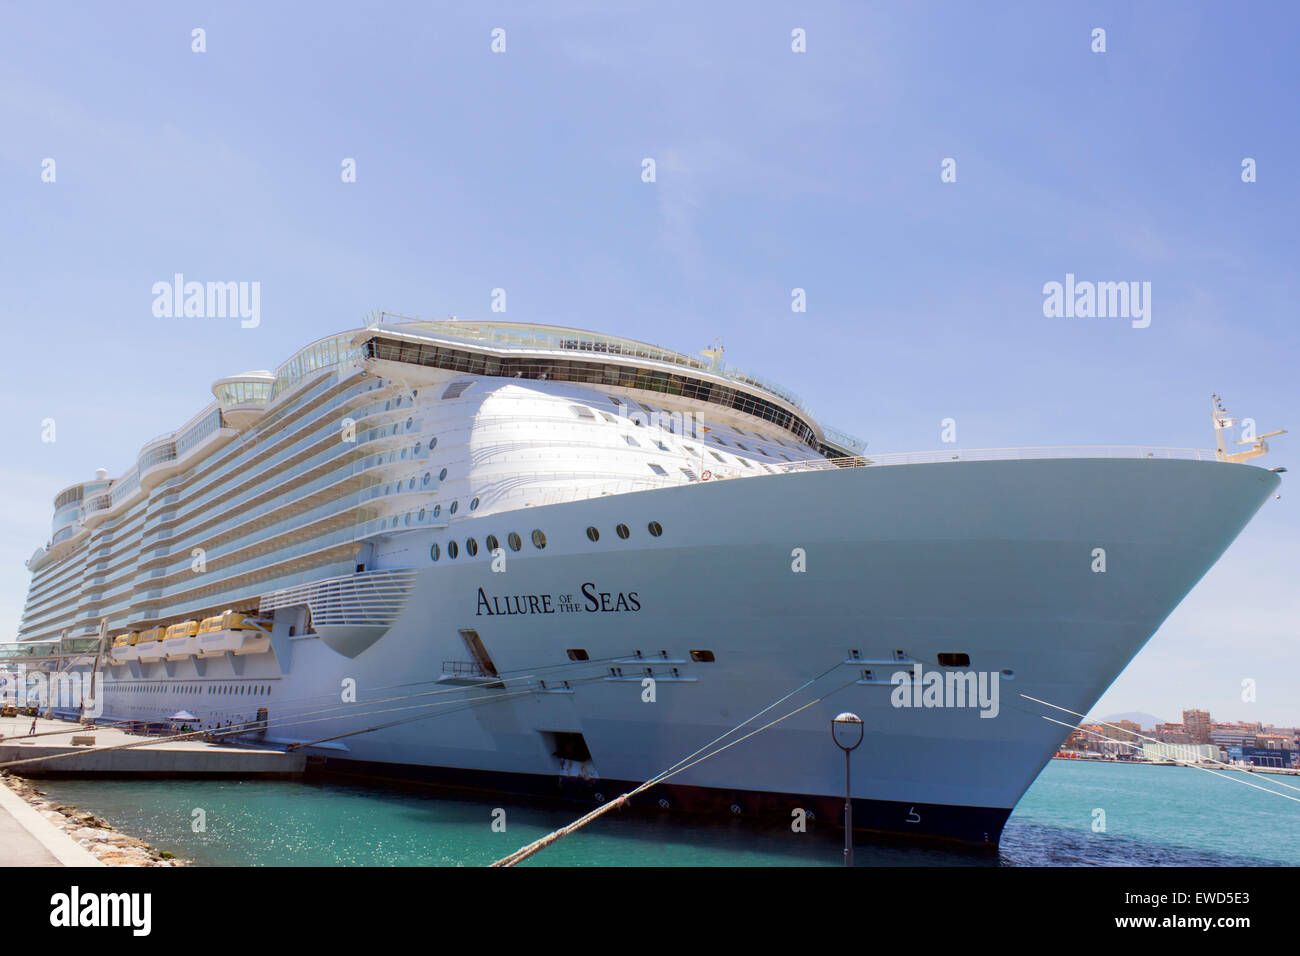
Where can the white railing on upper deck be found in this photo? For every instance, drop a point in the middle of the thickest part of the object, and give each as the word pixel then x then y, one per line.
pixel 1001 454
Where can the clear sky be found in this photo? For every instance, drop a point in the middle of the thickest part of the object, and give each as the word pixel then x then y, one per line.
pixel 775 170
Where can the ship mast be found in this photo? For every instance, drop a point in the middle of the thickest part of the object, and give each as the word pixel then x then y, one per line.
pixel 1222 422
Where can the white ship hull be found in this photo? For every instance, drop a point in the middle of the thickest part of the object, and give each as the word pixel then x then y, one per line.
pixel 994 560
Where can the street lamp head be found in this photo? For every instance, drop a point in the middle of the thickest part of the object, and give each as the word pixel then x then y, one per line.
pixel 846 731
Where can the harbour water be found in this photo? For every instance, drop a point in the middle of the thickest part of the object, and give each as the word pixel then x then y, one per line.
pixel 1153 815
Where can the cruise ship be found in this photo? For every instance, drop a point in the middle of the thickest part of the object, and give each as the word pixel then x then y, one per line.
pixel 539 560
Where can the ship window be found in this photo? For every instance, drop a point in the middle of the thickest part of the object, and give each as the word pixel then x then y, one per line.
pixel 453 549
pixel 764 451
pixel 408 518
pixel 702 657
pixel 515 543
pixel 418 446
pixel 471 546
pixel 609 418
pixel 661 446
pixel 456 389
pixel 409 423
pixel 631 441
pixel 434 552
pixel 420 517
pixel 581 411
pixel 454 506
pixel 433 443
pixel 656 528
pixel 578 654
pixel 491 542
pixel 593 534
pixel 473 504
pixel 539 539
pixel 437 510
pixel 718 440
pixel 615 400
pixel 719 457
pixel 954 660
pixel 428 476
pixel 410 485
pixel 740 446
pixel 622 531
pixel 442 475
pixel 657 469
pixel 689 449
pixel 689 474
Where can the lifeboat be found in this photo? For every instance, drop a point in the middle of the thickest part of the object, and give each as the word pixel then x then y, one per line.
pixel 232 632
pixel 124 648
pixel 178 641
pixel 149 646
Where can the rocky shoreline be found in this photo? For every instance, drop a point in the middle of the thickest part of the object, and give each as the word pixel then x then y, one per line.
pixel 97 835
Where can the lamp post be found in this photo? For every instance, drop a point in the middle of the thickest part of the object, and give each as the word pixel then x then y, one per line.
pixel 844 728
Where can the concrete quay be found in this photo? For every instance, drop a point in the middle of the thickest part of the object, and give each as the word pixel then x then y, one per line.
pixel 173 758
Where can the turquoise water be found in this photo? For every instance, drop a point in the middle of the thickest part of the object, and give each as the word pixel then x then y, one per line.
pixel 1153 815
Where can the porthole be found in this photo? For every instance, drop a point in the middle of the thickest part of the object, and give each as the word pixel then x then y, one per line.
pixel 622 531
pixel 593 534
pixel 408 519
pixel 702 657
pixel 656 528
pixel 473 504
pixel 471 547
pixel 433 443
pixel 410 485
pixel 435 552
pixel 454 506
pixel 437 510
pixel 442 475
pixel 409 423
pixel 418 445
pixel 453 549
pixel 428 477
pixel 539 539
pixel 421 517
pixel 491 542
pixel 515 543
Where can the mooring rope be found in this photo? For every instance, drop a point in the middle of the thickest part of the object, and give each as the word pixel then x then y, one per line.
pixel 536 846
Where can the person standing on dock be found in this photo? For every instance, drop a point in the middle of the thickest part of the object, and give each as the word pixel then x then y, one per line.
pixel 32 732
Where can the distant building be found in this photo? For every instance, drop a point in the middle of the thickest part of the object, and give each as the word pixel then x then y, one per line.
pixel 1172 734
pixel 1197 725
pixel 1239 734
pixel 1264 757
pixel 1185 753
pixel 1126 730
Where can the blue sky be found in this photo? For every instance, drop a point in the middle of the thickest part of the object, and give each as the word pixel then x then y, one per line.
pixel 775 170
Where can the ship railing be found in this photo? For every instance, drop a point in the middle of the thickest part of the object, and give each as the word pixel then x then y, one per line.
pixel 465 669
pixel 1000 454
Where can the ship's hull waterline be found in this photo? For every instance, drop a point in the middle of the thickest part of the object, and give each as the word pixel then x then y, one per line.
pixel 784 579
